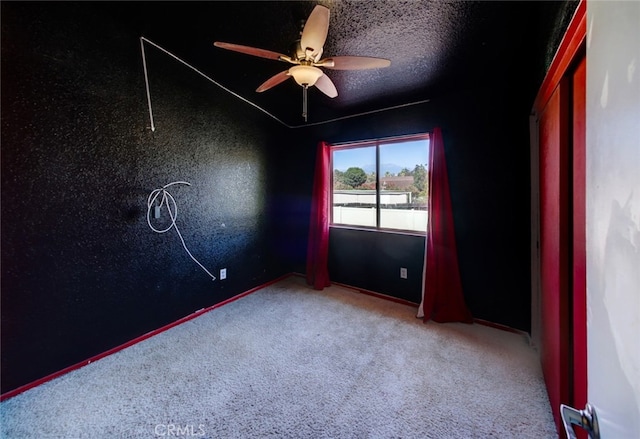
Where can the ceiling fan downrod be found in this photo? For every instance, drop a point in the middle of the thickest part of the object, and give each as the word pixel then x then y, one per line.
pixel 304 101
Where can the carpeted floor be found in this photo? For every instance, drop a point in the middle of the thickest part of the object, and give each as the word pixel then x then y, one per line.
pixel 291 362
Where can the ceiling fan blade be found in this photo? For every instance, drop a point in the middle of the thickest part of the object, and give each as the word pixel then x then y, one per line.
pixel 326 86
pixel 273 81
pixel 354 63
pixel 262 53
pixel 315 32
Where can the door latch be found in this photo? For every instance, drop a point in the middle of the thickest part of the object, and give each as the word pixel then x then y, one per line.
pixel 586 419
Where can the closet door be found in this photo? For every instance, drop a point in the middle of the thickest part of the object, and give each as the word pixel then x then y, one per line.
pixel 558 210
pixel 554 250
pixel 578 235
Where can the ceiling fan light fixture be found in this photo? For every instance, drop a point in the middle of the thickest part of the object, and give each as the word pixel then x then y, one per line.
pixel 305 75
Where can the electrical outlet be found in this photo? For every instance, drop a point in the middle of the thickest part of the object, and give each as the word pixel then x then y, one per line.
pixel 223 273
pixel 403 273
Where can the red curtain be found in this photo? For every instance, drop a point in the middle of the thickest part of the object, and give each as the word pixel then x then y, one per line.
pixel 443 300
pixel 318 246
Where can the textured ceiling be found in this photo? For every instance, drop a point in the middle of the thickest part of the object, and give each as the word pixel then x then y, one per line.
pixel 434 47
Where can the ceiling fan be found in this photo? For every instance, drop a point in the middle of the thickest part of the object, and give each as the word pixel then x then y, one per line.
pixel 306 56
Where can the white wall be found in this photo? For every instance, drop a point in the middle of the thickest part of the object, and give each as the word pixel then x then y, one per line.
pixel 613 215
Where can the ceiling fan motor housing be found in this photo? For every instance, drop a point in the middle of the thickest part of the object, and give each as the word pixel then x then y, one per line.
pixel 300 54
pixel 296 51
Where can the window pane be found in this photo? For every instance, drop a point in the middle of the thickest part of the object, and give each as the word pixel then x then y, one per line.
pixel 354 186
pixel 404 185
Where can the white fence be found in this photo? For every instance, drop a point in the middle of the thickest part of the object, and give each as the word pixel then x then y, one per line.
pixel 364 196
pixel 389 218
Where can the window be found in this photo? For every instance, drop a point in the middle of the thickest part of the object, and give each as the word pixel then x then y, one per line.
pixel 381 184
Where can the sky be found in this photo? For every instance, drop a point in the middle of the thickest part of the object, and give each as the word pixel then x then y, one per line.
pixel 393 157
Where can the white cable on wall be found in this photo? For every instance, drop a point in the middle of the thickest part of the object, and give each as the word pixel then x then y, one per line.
pixel 173 213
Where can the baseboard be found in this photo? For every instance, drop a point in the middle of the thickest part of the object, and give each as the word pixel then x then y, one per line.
pixel 31 385
pixel 504 328
pixel 378 295
pixel 413 304
pixel 370 293
pixel 202 311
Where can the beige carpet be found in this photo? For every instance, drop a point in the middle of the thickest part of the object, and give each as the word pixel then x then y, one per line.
pixel 291 362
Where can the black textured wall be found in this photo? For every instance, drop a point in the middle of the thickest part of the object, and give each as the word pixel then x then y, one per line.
pixel 351 261
pixel 486 134
pixel 81 270
pixel 486 145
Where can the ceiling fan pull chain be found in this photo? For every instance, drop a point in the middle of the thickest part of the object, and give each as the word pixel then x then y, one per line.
pixel 304 102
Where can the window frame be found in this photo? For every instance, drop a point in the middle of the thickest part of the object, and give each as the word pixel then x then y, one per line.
pixel 377 143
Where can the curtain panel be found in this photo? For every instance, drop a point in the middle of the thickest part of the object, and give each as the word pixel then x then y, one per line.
pixel 318 244
pixel 442 295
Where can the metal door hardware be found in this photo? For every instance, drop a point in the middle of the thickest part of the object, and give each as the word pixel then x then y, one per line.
pixel 587 419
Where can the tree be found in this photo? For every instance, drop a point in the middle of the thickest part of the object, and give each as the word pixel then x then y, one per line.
pixel 420 177
pixel 371 178
pixel 338 177
pixel 354 177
